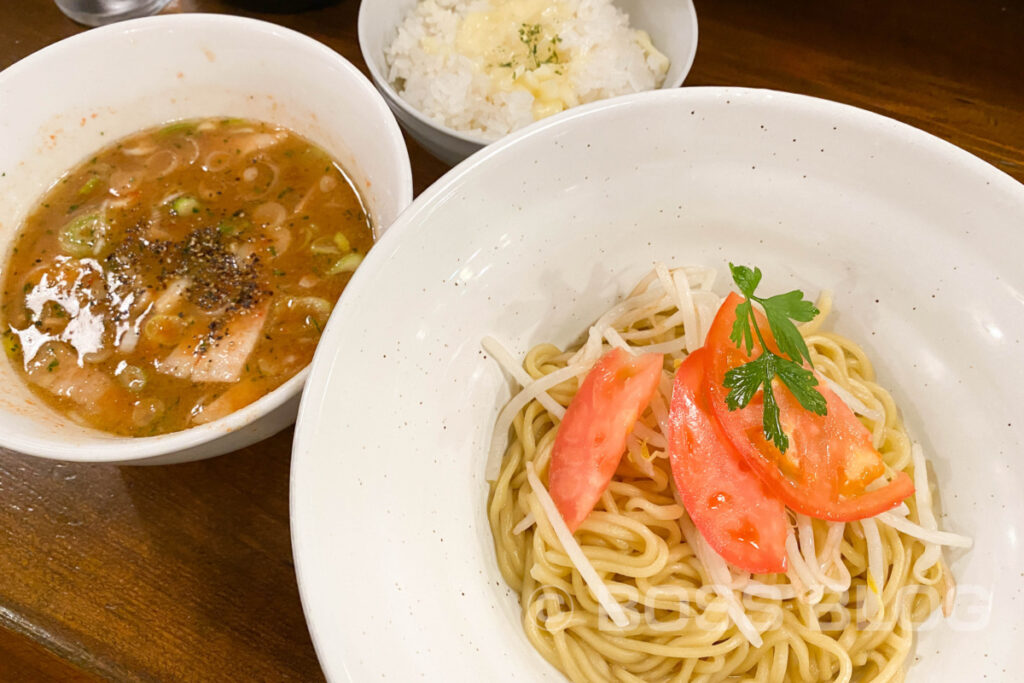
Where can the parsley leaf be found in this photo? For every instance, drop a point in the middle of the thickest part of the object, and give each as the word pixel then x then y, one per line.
pixel 741 335
pixel 780 309
pixel 801 382
pixel 771 422
pixel 746 279
pixel 745 380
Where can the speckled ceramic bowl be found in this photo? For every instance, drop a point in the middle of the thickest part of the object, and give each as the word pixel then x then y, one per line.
pixel 534 237
pixel 672 25
pixel 70 99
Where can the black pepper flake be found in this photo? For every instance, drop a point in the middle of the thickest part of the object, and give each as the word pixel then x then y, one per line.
pixel 218 278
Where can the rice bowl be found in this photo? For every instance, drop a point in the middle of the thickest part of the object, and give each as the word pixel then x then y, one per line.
pixel 671 24
pixel 578 51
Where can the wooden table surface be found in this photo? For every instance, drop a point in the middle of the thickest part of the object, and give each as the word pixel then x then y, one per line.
pixel 185 572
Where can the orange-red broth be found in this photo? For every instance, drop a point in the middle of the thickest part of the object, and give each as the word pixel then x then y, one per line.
pixel 180 274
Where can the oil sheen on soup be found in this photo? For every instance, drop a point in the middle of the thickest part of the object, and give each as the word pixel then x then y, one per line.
pixel 180 274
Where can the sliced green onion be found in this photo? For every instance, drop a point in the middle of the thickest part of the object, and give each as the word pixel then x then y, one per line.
pixel 346 264
pixel 12 344
pixel 233 226
pixel 186 127
pixel 316 155
pixel 185 205
pixel 324 245
pixel 343 244
pixel 311 304
pixel 132 377
pixel 90 185
pixel 313 311
pixel 84 236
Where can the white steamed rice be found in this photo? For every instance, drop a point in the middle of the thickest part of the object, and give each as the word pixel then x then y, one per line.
pixel 605 59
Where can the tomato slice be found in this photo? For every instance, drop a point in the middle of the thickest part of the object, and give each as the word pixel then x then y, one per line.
pixel 592 435
pixel 830 459
pixel 725 498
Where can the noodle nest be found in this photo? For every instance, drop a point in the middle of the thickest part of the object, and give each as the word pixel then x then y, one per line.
pixel 845 610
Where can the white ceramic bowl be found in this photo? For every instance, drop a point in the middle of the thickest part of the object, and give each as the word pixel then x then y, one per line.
pixel 534 237
pixel 672 25
pixel 68 100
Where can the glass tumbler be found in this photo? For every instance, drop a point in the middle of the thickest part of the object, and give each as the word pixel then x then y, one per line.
pixel 99 12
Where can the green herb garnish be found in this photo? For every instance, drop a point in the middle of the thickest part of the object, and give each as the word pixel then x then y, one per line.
pixel 744 381
pixel 90 185
pixel 12 344
pixel 178 127
pixel 531 35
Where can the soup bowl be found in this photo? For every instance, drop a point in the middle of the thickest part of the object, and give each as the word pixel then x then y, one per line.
pixel 76 96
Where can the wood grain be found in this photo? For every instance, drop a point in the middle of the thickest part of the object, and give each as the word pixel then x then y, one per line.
pixel 24 659
pixel 156 573
pixel 185 572
pixel 953 69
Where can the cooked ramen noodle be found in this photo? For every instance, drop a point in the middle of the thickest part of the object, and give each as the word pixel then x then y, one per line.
pixel 637 594
pixel 180 274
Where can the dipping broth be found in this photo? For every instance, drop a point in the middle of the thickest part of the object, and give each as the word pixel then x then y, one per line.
pixel 180 274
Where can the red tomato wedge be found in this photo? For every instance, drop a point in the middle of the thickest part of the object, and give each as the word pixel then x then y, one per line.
pixel 830 459
pixel 592 435
pixel 727 501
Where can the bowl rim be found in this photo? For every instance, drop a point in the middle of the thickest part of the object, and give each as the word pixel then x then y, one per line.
pixel 302 529
pixel 396 100
pixel 111 448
